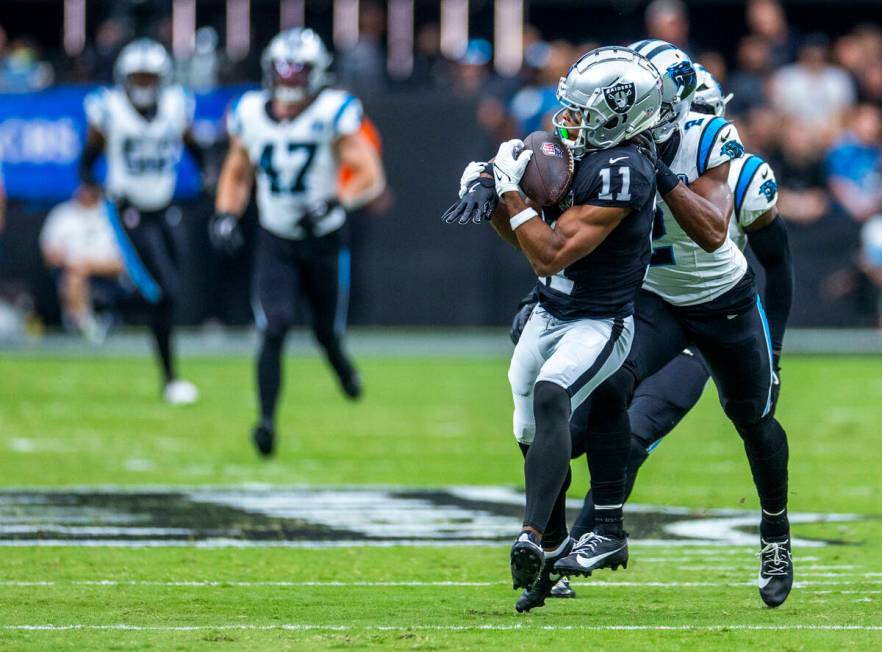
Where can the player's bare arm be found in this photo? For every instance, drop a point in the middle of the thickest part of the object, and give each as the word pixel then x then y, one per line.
pixel 703 208
pixel 577 233
pixel 235 180
pixel 368 178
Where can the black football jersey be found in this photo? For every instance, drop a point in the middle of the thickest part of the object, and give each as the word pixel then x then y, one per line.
pixel 604 283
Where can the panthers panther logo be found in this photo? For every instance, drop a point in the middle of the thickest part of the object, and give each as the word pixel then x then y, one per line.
pixel 684 76
pixel 769 189
pixel 732 149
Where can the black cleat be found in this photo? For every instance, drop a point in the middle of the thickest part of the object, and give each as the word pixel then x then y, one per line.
pixel 545 585
pixel 351 385
pixel 562 589
pixel 264 438
pixel 592 552
pixel 776 571
pixel 526 561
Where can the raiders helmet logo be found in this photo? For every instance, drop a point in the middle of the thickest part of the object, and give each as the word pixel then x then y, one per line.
pixel 620 97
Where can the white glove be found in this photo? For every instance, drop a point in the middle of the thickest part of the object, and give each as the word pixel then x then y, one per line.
pixel 473 171
pixel 509 165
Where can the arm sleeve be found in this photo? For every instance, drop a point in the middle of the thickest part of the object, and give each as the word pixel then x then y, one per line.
pixel 348 117
pixel 772 249
pixel 627 181
pixel 719 143
pixel 756 191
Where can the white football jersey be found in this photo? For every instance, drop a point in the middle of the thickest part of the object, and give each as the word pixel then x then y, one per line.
pixel 295 160
pixel 681 272
pixel 755 190
pixel 142 155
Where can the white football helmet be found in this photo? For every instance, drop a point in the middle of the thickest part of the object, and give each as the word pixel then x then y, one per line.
pixel 709 96
pixel 295 65
pixel 678 83
pixel 612 93
pixel 143 68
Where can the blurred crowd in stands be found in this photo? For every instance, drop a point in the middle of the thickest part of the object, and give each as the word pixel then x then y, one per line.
pixel 808 102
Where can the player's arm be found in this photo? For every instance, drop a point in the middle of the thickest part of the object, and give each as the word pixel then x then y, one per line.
pixel 233 192
pixel 767 236
pixel 368 179
pixel 92 151
pixel 235 180
pixel 702 209
pixel 577 232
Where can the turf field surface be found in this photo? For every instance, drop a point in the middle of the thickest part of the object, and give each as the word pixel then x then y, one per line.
pixel 425 422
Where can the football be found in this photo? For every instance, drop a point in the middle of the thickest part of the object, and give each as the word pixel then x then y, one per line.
pixel 550 172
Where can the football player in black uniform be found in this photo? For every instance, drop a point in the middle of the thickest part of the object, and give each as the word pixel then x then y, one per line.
pixel 591 255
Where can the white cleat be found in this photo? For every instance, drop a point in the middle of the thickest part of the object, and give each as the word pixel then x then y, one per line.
pixel 180 392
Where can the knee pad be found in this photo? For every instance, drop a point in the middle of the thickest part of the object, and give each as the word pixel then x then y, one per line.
pixel 551 402
pixel 616 390
pixel 760 432
pixel 275 332
pixel 745 415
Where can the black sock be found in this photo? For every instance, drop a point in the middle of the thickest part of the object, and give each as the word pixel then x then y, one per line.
pixel 608 447
pixel 161 328
pixel 765 443
pixel 773 526
pixel 269 375
pixel 556 531
pixel 548 458
pixel 585 521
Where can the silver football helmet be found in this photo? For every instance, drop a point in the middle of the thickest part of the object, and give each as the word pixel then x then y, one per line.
pixel 143 68
pixel 709 96
pixel 609 95
pixel 678 83
pixel 295 65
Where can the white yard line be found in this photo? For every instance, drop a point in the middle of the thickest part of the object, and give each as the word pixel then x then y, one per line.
pixel 416 583
pixel 439 628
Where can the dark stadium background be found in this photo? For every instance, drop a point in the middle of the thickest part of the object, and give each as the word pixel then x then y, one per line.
pixel 409 269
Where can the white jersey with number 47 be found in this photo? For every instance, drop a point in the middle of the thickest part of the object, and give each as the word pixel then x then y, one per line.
pixel 142 153
pixel 295 162
pixel 681 272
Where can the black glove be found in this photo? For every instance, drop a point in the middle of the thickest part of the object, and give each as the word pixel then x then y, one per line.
pixel 225 234
pixel 644 142
pixel 525 309
pixel 665 179
pixel 315 213
pixel 477 204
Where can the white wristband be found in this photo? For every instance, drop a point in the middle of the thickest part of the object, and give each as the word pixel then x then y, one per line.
pixel 523 216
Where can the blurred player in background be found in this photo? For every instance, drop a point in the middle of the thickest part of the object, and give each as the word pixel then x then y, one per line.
pixel 294 136
pixel 78 244
pixel 141 125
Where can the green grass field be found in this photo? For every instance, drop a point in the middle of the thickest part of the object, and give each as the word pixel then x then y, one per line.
pixel 433 422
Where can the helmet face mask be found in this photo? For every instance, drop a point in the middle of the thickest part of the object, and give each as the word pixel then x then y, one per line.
pixel 609 95
pixel 295 66
pixel 143 69
pixel 709 96
pixel 143 89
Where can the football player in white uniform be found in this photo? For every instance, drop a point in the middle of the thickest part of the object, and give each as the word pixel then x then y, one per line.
pixel 700 292
pixel 141 125
pixel 294 136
